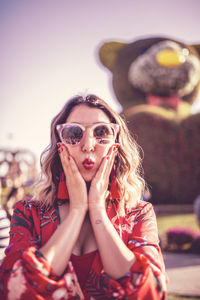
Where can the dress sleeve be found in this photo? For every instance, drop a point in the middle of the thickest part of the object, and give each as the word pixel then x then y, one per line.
pixel 147 278
pixel 25 273
pixel 148 271
pixel 144 240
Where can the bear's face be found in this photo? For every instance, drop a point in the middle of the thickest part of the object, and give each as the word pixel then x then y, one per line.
pixel 165 69
pixel 156 66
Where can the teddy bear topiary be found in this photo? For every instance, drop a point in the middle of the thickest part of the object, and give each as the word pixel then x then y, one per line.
pixel 156 80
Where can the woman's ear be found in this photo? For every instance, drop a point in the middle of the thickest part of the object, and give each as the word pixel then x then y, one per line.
pixel 109 52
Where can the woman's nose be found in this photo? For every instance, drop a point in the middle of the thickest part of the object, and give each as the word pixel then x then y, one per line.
pixel 88 142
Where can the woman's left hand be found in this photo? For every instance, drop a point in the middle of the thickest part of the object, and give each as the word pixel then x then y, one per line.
pixel 99 184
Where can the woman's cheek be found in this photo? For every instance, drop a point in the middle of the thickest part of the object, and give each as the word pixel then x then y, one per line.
pixel 103 150
pixel 72 152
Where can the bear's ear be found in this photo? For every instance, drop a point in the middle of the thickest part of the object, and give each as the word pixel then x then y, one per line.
pixel 197 48
pixel 108 53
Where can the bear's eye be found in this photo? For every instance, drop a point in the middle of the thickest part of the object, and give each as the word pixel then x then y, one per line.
pixel 143 50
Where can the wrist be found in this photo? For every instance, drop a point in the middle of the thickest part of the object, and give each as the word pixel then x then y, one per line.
pixel 97 210
pixel 96 206
pixel 98 215
pixel 81 210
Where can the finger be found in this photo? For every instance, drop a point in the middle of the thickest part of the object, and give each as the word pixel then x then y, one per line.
pixel 68 163
pixel 107 163
pixel 63 154
pixel 73 176
pixel 112 155
pixel 110 164
pixel 72 168
pixel 113 148
pixel 110 158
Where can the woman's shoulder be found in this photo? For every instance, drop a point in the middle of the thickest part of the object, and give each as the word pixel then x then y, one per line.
pixel 141 208
pixel 29 205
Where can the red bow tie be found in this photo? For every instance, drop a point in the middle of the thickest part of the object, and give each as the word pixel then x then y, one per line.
pixel 172 101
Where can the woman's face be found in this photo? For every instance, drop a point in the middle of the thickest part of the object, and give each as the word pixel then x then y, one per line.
pixel 88 153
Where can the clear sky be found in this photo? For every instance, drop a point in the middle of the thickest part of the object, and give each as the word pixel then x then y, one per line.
pixel 48 54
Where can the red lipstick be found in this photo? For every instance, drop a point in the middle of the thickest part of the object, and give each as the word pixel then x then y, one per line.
pixel 88 163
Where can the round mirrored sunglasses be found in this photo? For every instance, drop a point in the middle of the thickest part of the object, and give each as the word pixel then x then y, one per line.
pixel 72 133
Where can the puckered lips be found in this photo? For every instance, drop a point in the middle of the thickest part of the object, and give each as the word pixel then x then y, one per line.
pixel 88 163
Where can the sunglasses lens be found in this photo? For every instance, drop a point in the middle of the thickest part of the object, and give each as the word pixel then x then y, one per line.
pixel 103 134
pixel 72 134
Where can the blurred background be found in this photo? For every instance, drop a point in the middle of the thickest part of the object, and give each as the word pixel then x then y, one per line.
pixel 49 53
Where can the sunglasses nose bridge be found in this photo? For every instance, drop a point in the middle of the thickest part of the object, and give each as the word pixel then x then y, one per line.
pixel 88 140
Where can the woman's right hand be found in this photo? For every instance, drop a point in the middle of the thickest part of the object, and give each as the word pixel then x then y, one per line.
pixel 76 185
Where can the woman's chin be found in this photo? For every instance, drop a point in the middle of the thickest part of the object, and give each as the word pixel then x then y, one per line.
pixel 88 176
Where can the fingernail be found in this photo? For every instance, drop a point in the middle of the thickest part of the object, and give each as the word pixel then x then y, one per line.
pixel 113 147
pixel 58 144
pixel 68 157
pixel 60 149
pixel 107 157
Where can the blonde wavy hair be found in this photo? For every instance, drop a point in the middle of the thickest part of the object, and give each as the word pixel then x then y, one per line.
pixel 128 160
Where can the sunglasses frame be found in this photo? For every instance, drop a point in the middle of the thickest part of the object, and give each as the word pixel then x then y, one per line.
pixel 59 128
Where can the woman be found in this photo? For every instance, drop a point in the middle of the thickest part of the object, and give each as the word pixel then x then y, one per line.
pixel 86 235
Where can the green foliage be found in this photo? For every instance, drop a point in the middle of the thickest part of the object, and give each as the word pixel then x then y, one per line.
pixel 179 232
pixel 171 153
pixel 177 297
pixel 167 222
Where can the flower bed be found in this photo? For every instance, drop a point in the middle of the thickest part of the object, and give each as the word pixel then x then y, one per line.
pixel 180 239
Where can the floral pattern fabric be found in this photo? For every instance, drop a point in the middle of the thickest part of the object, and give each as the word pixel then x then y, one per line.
pixel 26 274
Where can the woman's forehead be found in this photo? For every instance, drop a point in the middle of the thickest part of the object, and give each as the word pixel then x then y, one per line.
pixel 85 114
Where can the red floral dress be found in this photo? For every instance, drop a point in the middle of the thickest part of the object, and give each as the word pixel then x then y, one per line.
pixel 26 274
